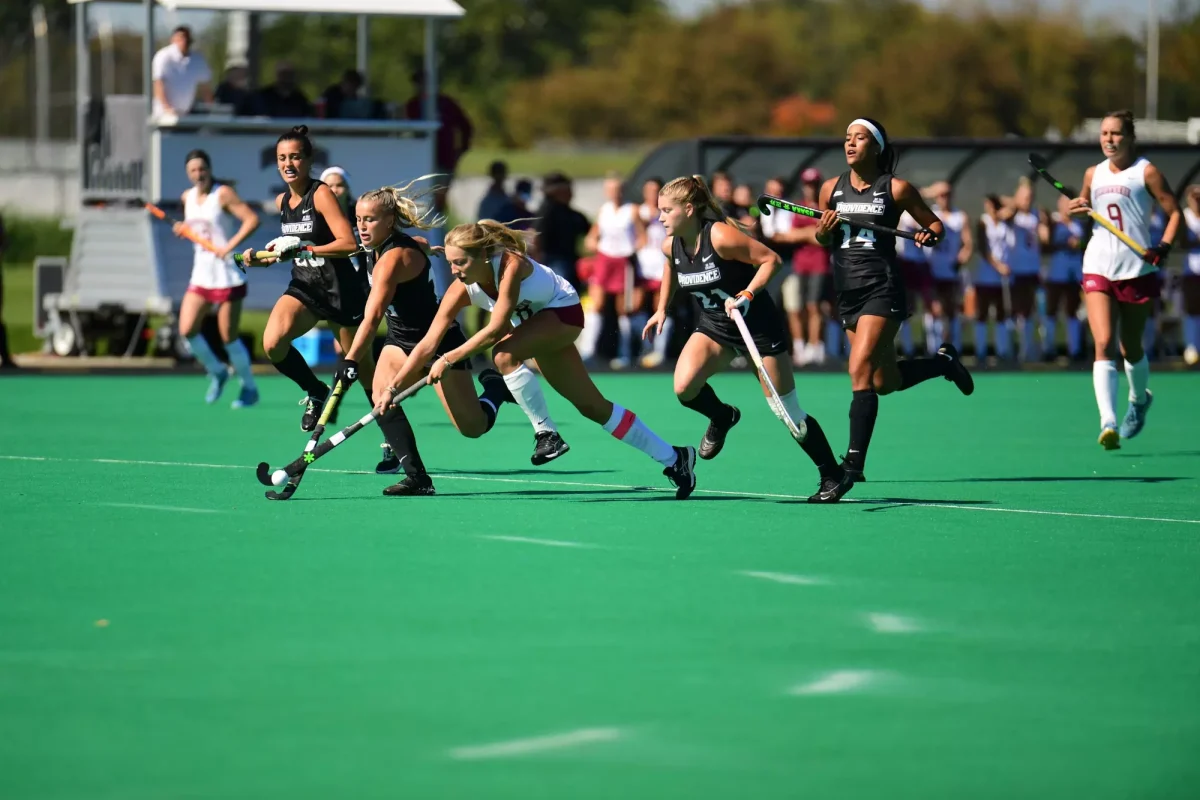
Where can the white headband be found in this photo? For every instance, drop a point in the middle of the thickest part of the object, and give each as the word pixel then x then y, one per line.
pixel 335 171
pixel 871 127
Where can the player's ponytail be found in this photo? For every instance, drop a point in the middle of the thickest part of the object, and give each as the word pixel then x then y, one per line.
pixel 694 189
pixel 299 133
pixel 402 205
pixel 487 236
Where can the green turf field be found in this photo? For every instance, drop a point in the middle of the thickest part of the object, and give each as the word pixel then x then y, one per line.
pixel 1003 611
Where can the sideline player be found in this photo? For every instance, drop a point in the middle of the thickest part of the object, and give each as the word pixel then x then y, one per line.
pixel 1119 286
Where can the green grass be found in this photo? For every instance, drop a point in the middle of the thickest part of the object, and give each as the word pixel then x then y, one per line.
pixel 1011 610
pixel 577 163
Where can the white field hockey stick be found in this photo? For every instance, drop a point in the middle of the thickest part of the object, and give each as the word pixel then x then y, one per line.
pixel 799 434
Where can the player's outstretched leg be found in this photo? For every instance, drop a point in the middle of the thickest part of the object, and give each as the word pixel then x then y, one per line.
pixel 289 320
pixel 526 390
pixel 700 359
pixel 397 429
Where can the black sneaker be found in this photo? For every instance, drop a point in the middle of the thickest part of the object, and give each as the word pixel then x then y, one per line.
pixel 856 474
pixel 714 437
pixel 312 412
pixel 548 445
pixel 683 472
pixel 420 483
pixel 955 370
pixel 390 464
pixel 833 489
pixel 487 377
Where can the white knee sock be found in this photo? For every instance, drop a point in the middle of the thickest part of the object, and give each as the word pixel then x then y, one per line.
pixel 1139 378
pixel 592 323
pixel 205 355
pixel 240 358
pixel 527 391
pixel 1104 380
pixel 626 330
pixel 624 425
pixel 661 340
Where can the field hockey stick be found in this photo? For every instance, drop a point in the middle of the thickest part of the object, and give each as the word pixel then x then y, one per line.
pixel 766 202
pixel 797 432
pixel 303 252
pixel 189 234
pixel 293 480
pixel 1040 165
pixel 297 467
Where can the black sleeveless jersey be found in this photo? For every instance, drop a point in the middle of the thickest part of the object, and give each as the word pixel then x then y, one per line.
pixel 329 281
pixel 862 257
pixel 712 279
pixel 414 303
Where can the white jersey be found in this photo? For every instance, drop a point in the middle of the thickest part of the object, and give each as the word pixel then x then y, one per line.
pixel 906 248
pixel 544 288
pixel 618 236
pixel 1066 266
pixel 1192 262
pixel 650 257
pixel 943 259
pixel 208 220
pixel 1024 256
pixel 996 240
pixel 1122 198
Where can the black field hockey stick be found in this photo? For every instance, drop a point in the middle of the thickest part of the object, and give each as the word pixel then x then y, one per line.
pixel 1041 166
pixel 766 202
pixel 293 480
pixel 293 471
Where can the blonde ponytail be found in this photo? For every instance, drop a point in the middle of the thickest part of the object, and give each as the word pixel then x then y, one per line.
pixel 694 189
pixel 487 236
pixel 398 201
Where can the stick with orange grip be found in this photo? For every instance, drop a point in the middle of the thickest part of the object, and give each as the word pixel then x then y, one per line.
pixel 189 234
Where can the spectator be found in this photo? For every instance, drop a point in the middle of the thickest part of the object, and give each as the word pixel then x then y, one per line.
pixel 453 137
pixel 179 74
pixel 284 98
pixel 521 198
pixel 743 201
pixel 343 100
pixel 560 227
pixel 6 359
pixel 234 89
pixel 496 204
pixel 802 291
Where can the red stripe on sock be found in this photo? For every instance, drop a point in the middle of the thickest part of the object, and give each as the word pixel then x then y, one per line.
pixel 625 424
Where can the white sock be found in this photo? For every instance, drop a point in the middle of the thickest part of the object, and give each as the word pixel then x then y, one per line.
pixel 624 425
pixel 626 329
pixel 932 333
pixel 205 355
pixel 1104 381
pixel 799 347
pixel 240 358
pixel 906 343
pixel 527 391
pixel 956 333
pixel 1139 378
pixel 661 340
pixel 1074 336
pixel 1051 335
pixel 981 339
pixel 592 323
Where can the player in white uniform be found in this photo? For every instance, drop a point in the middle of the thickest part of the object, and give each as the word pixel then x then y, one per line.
pixel 1118 284
pixel 1062 237
pixel 214 212
pixel 535 315
pixel 1025 261
pixel 1191 278
pixel 914 265
pixel 991 275
pixel 945 260
pixel 650 265
pixel 615 237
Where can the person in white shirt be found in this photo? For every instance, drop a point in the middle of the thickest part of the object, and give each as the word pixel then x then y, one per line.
pixel 179 74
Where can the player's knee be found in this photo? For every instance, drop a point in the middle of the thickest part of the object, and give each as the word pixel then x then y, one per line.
pixel 275 346
pixel 861 371
pixel 597 411
pixel 686 388
pixel 505 361
pixel 1106 347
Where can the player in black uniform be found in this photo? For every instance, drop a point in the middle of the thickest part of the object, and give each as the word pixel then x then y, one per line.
pixel 324 286
pixel 723 268
pixel 397 267
pixel 870 290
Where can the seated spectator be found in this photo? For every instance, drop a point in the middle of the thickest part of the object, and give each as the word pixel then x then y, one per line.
pixel 344 100
pixel 283 98
pixel 234 89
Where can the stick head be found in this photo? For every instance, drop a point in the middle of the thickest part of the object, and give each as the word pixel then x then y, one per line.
pixel 764 206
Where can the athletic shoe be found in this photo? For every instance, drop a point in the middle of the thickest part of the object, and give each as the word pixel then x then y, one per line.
pixel 420 483
pixel 1135 417
pixel 652 360
pixel 1191 356
pixel 216 385
pixel 1109 438
pixel 312 413
pixel 548 445
pixel 620 363
pixel 247 397
pixel 488 376
pixel 854 473
pixel 833 489
pixel 390 464
pixel 954 369
pixel 683 472
pixel 714 437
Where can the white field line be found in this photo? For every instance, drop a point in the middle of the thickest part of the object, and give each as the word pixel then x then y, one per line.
pixel 537 744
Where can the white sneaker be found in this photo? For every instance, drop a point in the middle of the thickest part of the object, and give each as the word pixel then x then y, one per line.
pixel 651 359
pixel 1191 356
pixel 816 353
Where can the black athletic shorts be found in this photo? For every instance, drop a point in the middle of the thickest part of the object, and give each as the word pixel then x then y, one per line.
pixel 885 298
pixel 347 313
pixel 768 334
pixel 407 340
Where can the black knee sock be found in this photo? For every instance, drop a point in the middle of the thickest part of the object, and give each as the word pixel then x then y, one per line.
pixel 297 369
pixel 864 408
pixel 493 396
pixel 708 404
pixel 817 447
pixel 400 437
pixel 919 370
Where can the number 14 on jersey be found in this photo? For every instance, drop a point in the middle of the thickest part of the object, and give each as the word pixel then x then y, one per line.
pixel 865 238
